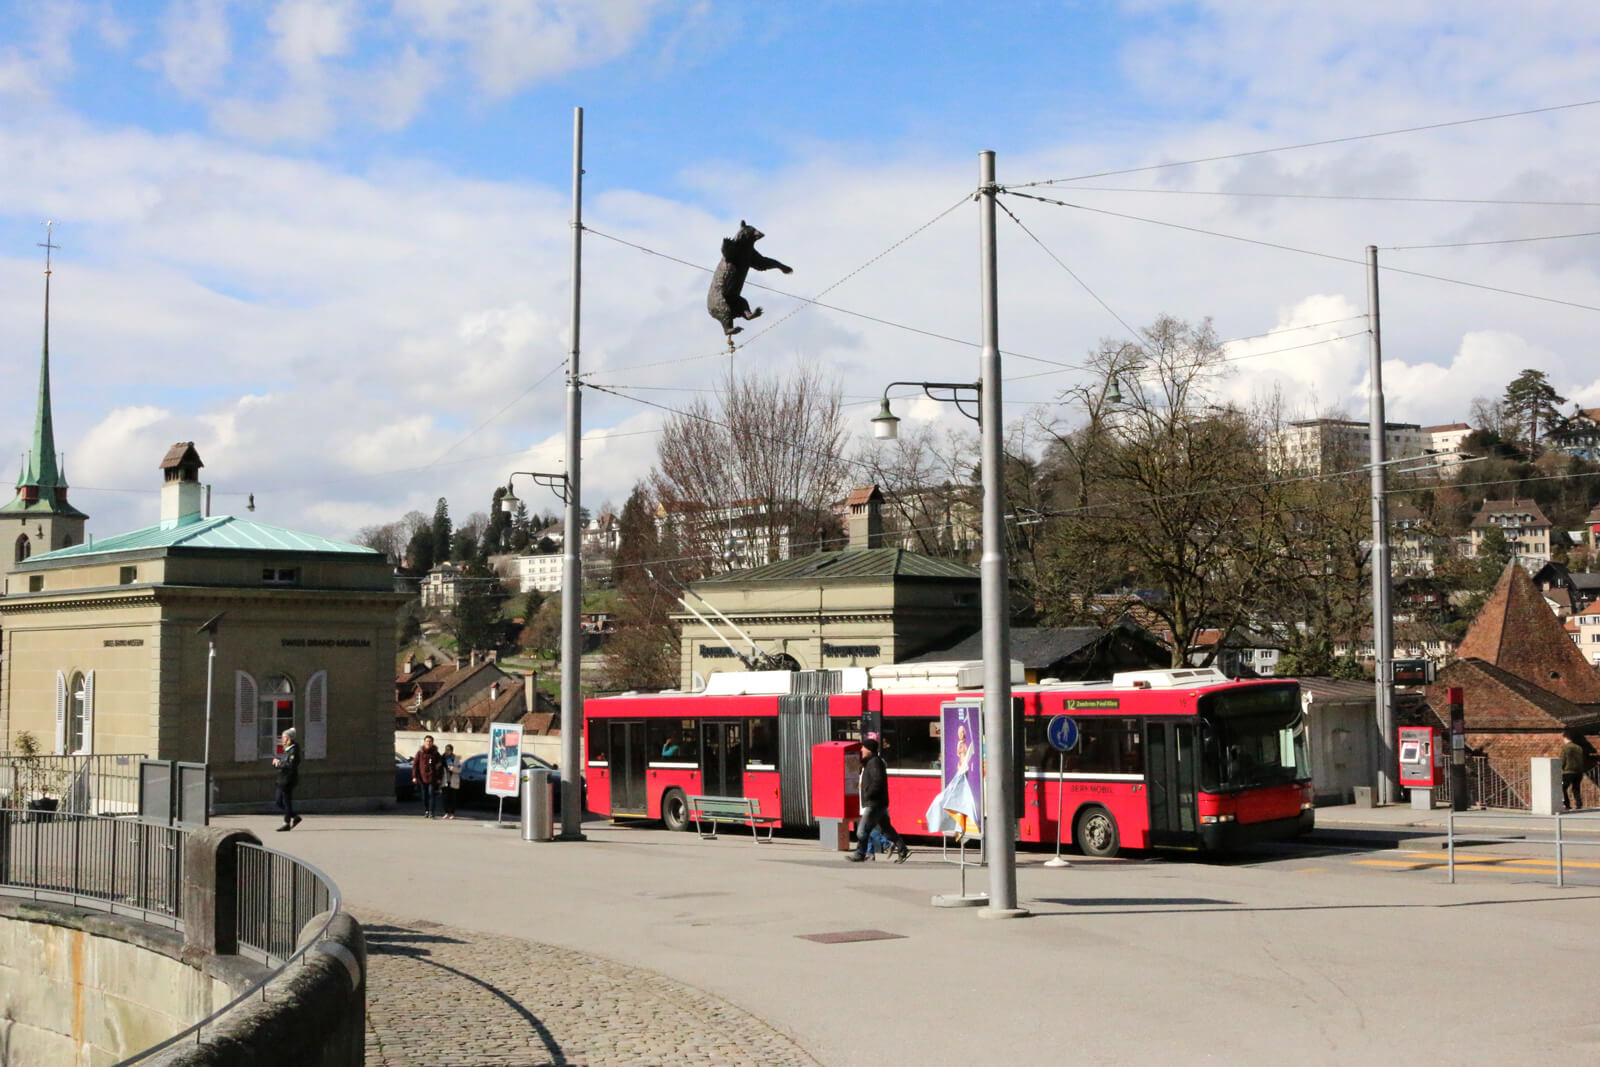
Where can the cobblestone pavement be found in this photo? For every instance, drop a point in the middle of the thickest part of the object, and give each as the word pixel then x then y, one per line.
pixel 439 996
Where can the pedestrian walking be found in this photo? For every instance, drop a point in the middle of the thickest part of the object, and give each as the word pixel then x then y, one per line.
pixel 451 784
pixel 875 806
pixel 288 764
pixel 1572 765
pixel 427 771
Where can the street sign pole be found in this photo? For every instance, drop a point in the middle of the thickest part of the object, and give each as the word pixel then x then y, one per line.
pixel 1063 736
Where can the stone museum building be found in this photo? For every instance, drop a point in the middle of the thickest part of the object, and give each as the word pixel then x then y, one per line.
pixel 858 607
pixel 106 645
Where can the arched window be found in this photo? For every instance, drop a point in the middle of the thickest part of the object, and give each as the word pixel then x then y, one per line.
pixel 275 714
pixel 24 547
pixel 78 711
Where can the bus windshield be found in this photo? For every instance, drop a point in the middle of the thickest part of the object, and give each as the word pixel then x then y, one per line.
pixel 1251 738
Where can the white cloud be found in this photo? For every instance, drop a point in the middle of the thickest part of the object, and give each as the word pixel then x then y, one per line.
pixel 197 45
pixel 342 342
pixel 509 44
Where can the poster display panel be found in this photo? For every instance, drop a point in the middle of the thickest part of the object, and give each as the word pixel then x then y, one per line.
pixel 958 809
pixel 505 759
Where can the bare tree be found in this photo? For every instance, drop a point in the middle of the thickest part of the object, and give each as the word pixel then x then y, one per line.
pixel 1172 491
pixel 930 489
pixel 752 475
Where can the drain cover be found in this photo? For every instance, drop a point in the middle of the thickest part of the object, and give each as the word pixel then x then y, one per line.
pixel 840 937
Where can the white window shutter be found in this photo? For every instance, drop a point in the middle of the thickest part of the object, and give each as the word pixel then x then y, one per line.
pixel 88 713
pixel 245 705
pixel 61 714
pixel 317 716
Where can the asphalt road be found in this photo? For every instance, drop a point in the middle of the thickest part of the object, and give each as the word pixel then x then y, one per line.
pixel 1339 950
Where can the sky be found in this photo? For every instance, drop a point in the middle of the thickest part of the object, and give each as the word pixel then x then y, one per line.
pixel 330 241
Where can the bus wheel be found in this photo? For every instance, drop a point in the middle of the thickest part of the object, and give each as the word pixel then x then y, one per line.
pixel 674 810
pixel 1097 833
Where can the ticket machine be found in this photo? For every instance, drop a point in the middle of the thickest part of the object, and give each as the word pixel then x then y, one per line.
pixel 836 790
pixel 1421 763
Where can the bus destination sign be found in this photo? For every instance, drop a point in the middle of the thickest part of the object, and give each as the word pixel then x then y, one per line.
pixel 1091 704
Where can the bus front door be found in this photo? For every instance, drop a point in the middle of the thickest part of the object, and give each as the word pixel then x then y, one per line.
pixel 722 758
pixel 1172 771
pixel 628 758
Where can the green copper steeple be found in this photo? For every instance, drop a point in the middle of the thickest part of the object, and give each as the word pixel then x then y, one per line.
pixel 41 469
pixel 40 486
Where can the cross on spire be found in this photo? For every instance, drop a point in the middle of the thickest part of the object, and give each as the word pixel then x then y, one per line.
pixel 47 244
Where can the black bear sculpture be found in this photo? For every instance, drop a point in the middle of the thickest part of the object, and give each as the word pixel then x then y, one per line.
pixel 725 301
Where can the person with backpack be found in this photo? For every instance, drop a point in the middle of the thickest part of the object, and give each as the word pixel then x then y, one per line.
pixel 875 806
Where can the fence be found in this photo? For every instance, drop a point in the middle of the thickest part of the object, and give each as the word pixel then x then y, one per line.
pixel 1561 843
pixel 277 896
pixel 1488 786
pixel 131 867
pixel 84 785
pixel 115 865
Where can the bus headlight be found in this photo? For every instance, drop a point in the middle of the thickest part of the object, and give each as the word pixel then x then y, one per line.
pixel 1216 818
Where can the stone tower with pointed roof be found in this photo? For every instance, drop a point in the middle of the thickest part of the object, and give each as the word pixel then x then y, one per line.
pixel 38 518
pixel 1517 632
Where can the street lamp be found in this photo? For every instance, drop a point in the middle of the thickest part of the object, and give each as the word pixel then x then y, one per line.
pixel 556 483
pixel 886 426
pixel 571 702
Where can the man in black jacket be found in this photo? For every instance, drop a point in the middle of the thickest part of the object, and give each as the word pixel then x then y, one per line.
pixel 875 805
pixel 288 765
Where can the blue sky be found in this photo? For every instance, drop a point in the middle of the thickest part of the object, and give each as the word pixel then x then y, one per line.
pixel 327 239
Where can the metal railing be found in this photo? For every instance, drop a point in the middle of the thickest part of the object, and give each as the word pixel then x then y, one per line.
pixel 277 896
pixel 1561 844
pixel 1487 787
pixel 91 861
pixel 85 785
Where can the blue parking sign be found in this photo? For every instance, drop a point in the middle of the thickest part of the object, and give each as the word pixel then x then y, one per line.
pixel 1062 733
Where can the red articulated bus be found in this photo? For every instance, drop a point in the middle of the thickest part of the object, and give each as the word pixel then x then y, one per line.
pixel 1183 758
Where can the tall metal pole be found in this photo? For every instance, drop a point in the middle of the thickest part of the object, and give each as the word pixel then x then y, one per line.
pixel 211 660
pixel 1382 587
pixel 571 569
pixel 999 816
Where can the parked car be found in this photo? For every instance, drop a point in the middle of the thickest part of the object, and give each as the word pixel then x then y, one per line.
pixel 474 782
pixel 404 787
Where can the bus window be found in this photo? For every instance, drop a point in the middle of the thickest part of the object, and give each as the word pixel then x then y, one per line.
pixel 672 741
pixel 911 744
pixel 1105 746
pixel 598 746
pixel 846 729
pixel 1253 737
pixel 761 743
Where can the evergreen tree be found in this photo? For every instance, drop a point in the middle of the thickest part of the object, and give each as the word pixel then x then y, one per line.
pixel 441 530
pixel 419 551
pixel 521 527
pixel 1531 402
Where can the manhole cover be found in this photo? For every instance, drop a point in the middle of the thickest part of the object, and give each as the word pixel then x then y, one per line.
pixel 841 937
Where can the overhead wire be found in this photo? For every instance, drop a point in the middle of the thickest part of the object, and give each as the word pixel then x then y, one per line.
pixel 803 302
pixel 1313 144
pixel 1308 252
pixel 1501 241
pixel 1241 194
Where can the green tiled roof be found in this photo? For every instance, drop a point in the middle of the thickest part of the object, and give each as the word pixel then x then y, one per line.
pixel 217 532
pixel 852 563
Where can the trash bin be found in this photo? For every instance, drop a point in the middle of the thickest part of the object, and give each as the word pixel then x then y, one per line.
pixel 538 823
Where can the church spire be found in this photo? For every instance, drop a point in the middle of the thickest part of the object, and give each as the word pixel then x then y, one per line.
pixel 41 470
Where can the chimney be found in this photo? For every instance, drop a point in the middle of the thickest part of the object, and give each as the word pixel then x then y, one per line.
pixel 866 517
pixel 181 494
pixel 472 658
pixel 530 691
pixel 494 691
pixel 461 663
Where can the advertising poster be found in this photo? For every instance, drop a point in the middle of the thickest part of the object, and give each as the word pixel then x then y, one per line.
pixel 958 809
pixel 505 759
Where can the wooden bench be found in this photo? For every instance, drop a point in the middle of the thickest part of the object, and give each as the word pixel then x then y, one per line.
pixel 732 809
